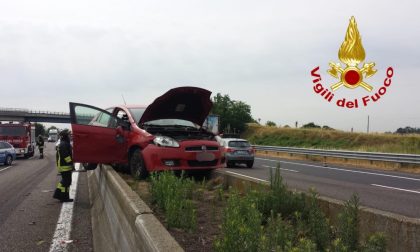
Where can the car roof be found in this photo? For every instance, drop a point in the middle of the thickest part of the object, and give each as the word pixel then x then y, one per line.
pixel 234 139
pixel 131 106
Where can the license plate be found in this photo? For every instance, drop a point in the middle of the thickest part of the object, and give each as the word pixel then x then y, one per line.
pixel 242 152
pixel 205 156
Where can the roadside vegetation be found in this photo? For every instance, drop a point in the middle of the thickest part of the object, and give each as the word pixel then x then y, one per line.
pixel 259 219
pixel 332 139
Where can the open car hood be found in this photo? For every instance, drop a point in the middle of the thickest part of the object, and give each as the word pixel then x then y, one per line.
pixel 187 103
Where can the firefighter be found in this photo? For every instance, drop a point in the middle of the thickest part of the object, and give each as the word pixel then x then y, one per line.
pixel 40 144
pixel 65 166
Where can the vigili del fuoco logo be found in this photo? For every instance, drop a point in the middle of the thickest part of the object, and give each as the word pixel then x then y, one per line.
pixel 352 55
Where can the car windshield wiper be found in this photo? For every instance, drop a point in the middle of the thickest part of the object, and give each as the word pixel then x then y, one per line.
pixel 182 126
pixel 153 125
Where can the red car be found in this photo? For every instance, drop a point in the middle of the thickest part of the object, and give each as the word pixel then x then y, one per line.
pixel 166 135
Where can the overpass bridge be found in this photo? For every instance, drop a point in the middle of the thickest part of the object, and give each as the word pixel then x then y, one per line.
pixel 26 115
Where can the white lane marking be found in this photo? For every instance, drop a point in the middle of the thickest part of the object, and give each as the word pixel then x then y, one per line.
pixel 63 229
pixel 273 167
pixel 5 168
pixel 340 169
pixel 247 176
pixel 396 188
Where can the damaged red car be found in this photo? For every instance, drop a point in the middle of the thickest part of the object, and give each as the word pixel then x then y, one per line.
pixel 166 135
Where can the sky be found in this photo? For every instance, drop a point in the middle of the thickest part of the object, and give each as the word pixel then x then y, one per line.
pixel 258 52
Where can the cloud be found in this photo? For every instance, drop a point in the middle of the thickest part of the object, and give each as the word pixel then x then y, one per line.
pixel 258 52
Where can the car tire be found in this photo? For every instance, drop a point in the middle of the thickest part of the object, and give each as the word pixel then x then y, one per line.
pixel 89 166
pixel 249 164
pixel 137 166
pixel 8 160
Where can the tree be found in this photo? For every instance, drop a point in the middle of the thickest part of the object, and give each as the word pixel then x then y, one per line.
pixel 50 128
pixel 39 129
pixel 326 127
pixel 270 124
pixel 408 130
pixel 234 115
pixel 310 125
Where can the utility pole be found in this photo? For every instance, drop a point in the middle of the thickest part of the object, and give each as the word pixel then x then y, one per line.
pixel 368 125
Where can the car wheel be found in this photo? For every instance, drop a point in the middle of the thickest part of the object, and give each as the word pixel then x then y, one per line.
pixel 9 160
pixel 89 166
pixel 137 167
pixel 249 164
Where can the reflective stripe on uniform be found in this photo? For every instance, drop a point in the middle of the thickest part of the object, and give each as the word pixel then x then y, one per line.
pixel 65 168
pixel 67 159
pixel 61 188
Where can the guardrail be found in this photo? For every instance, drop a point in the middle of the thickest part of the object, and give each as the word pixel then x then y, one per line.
pixel 374 156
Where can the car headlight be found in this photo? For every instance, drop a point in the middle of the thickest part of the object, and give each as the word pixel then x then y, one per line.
pixel 165 141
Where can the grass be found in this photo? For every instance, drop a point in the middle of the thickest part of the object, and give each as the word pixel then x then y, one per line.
pixel 262 218
pixel 333 139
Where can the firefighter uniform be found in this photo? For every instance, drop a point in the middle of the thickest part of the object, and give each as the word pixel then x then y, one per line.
pixel 65 166
pixel 40 143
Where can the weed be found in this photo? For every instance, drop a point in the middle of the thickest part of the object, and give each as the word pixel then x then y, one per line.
pixel 277 234
pixel 173 195
pixel 241 225
pixel 338 246
pixel 375 243
pixel 304 245
pixel 319 230
pixel 278 198
pixel 348 223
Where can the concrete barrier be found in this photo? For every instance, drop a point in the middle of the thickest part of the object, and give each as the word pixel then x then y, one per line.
pixel 121 221
pixel 403 233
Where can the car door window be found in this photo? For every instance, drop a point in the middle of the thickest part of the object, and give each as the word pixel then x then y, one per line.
pixel 2 146
pixel 96 117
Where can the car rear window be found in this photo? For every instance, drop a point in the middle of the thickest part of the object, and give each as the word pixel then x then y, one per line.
pixel 240 144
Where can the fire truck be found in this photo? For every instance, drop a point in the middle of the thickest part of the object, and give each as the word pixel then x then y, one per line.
pixel 21 135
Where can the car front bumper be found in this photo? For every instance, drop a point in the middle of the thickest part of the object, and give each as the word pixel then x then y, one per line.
pixel 166 158
pixel 239 158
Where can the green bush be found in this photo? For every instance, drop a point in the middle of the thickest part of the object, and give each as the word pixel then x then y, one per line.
pixel 278 234
pixel 241 225
pixel 304 245
pixel 348 227
pixel 319 228
pixel 173 195
pixel 375 243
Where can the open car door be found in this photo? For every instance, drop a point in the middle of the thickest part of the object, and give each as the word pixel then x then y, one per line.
pixel 98 136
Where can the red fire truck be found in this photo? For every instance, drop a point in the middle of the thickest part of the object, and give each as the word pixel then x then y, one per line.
pixel 21 135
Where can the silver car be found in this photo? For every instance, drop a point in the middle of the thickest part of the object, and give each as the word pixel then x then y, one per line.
pixel 238 151
pixel 7 153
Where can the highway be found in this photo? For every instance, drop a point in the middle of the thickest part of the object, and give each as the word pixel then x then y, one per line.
pixel 388 191
pixel 30 219
pixel 29 214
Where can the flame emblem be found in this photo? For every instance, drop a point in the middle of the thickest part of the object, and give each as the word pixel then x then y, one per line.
pixel 352 53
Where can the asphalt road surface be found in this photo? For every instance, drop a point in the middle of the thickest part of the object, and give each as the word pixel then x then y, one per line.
pixel 29 214
pixel 388 191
